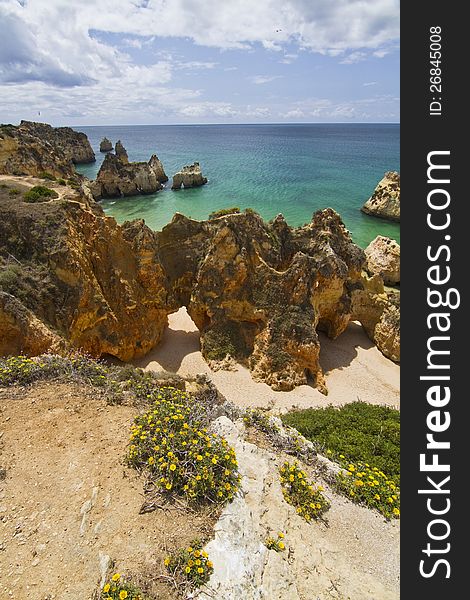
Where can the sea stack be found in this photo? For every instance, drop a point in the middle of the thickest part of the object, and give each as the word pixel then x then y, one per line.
pixel 189 176
pixel 385 201
pixel 121 152
pixel 105 145
pixel 118 177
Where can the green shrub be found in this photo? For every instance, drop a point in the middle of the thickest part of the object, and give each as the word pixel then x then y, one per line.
pixel 305 496
pixel 191 565
pixel 369 486
pixel 14 192
pixel 24 370
pixel 217 344
pixel 47 175
pixel 39 193
pixel 61 182
pixel 9 275
pixel 119 589
pixel 171 442
pixel 223 212
pixel 251 211
pixel 356 432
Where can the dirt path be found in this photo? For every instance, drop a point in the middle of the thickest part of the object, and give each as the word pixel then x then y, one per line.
pixel 68 502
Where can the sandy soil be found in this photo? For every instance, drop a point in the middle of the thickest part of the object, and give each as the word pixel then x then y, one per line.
pixel 68 501
pixel 354 368
pixel 22 182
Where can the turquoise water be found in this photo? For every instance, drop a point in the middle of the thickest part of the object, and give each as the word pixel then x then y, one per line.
pixel 292 169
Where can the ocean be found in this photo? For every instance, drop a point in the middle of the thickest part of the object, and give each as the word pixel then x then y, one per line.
pixel 289 169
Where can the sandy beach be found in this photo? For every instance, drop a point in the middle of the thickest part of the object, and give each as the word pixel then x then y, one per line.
pixel 354 369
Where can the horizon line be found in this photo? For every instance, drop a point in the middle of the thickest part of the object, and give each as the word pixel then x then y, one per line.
pixel 234 124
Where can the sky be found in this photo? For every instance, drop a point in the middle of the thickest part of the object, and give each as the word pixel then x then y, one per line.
pixel 104 62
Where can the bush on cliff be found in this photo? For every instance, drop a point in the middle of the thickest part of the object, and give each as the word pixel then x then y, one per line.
pixel 183 458
pixel 39 193
pixel 355 432
pixel 47 175
pixel 365 440
pixel 223 212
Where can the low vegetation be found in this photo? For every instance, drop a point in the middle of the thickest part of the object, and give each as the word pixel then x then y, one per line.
pixel 171 442
pixel 276 543
pixel 117 588
pixel 190 565
pixel 355 432
pixel 369 486
pixel 365 440
pixel 47 175
pixel 39 193
pixel 305 496
pixel 223 212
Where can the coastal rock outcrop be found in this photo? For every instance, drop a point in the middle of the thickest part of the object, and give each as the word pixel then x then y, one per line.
pixel 119 177
pixel 36 148
pixel 105 145
pixel 121 152
pixel 78 278
pixel 189 176
pixel 258 292
pixel 72 144
pixel 385 201
pixel 379 313
pixel 314 563
pixel 383 258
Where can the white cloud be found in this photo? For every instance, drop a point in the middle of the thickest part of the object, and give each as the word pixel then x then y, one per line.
pixel 293 114
pixel 354 57
pixel 209 109
pixel 379 107
pixel 262 79
pixel 369 83
pixel 288 59
pixel 56 55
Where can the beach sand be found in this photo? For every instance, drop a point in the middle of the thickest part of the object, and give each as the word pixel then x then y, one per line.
pixel 354 369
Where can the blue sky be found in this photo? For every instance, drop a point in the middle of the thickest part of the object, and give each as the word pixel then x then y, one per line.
pixel 214 61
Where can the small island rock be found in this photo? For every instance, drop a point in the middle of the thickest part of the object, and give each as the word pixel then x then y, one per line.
pixel 105 145
pixel 189 176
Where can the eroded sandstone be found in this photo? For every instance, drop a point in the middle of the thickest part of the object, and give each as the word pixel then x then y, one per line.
pixel 189 176
pixel 385 201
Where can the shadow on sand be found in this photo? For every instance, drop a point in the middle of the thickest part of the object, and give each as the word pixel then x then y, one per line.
pixel 339 353
pixel 175 345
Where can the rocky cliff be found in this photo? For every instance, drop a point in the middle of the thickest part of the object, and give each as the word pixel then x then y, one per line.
pixel 66 265
pixel 36 148
pixel 378 310
pixel 385 201
pixel 256 291
pixel 119 177
pixel 189 176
